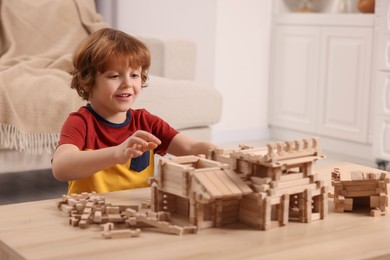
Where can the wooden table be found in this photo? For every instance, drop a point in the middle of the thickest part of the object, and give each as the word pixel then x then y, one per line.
pixel 38 230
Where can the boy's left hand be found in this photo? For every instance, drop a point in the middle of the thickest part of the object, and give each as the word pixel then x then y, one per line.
pixel 136 145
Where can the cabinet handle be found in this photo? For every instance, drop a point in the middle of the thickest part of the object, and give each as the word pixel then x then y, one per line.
pixel 386 94
pixel 388 17
pixel 387 60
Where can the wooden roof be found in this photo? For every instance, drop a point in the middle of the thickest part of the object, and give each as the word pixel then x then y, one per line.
pixel 218 184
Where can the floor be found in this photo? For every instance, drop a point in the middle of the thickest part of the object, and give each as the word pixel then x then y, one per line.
pixel 17 187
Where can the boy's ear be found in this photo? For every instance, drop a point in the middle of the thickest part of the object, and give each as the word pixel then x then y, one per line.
pixel 87 90
pixel 146 82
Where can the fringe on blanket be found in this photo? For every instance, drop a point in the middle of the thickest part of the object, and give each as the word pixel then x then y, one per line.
pixel 34 143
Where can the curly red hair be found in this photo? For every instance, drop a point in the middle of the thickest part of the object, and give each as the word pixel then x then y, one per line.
pixel 101 48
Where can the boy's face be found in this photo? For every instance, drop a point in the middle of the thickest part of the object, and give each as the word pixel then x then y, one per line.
pixel 115 91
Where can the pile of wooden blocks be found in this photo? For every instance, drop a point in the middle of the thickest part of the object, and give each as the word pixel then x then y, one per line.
pixel 89 208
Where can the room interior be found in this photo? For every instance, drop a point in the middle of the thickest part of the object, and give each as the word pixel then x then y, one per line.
pixel 247 53
pixel 249 72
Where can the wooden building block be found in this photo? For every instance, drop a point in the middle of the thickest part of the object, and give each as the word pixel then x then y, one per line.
pixel 377 213
pixel 121 233
pixel 357 175
pixel 348 204
pixel 266 216
pixel 374 201
pixel 285 202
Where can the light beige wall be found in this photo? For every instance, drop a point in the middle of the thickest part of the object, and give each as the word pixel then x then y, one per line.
pixel 232 38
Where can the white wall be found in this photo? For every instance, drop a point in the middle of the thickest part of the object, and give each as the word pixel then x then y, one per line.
pixel 232 38
pixel 241 69
pixel 175 19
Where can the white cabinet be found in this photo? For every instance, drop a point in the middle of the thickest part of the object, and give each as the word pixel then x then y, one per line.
pixel 320 80
pixel 294 75
pixel 381 137
pixel 344 83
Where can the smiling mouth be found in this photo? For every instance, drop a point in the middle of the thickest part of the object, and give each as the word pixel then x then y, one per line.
pixel 123 95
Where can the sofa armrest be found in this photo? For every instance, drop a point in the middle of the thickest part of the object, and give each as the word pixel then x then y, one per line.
pixel 183 104
pixel 172 58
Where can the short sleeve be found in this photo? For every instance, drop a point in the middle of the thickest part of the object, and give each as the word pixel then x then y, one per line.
pixel 74 131
pixel 158 127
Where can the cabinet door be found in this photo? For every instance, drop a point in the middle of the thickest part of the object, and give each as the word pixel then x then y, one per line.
pixel 381 138
pixel 382 35
pixel 382 11
pixel 383 52
pixel 294 77
pixel 344 87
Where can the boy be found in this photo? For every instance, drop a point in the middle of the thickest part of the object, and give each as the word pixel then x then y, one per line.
pixel 107 146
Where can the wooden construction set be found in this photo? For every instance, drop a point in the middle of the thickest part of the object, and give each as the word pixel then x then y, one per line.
pixel 365 189
pixel 90 208
pixel 261 187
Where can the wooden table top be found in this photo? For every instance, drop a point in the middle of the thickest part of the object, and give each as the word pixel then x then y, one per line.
pixel 38 230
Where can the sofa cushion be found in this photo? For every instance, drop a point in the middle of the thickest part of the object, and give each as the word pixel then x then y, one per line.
pixel 172 58
pixel 177 97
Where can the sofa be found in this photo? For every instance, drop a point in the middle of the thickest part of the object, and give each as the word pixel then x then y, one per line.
pixel 35 58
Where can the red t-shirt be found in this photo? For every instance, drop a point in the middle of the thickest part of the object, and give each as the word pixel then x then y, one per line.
pixel 88 131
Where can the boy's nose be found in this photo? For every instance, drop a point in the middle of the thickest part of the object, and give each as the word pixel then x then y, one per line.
pixel 127 82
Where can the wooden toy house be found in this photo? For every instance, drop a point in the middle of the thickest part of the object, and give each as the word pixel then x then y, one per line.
pixel 361 189
pixel 285 189
pixel 262 187
pixel 205 191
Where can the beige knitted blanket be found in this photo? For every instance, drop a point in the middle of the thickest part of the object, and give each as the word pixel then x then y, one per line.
pixel 37 39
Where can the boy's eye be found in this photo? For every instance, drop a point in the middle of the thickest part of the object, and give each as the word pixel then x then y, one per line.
pixel 115 76
pixel 135 75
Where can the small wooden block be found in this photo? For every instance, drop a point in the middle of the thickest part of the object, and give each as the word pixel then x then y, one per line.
pixel 357 175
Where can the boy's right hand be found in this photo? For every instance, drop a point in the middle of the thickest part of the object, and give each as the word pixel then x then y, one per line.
pixel 136 145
